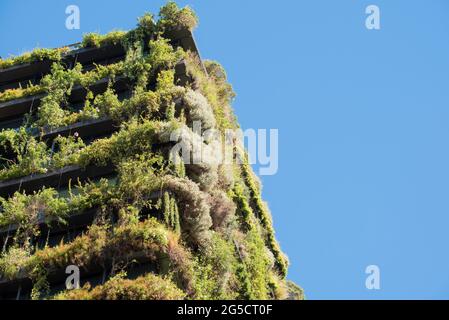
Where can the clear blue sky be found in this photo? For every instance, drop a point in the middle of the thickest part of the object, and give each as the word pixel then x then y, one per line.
pixel 363 118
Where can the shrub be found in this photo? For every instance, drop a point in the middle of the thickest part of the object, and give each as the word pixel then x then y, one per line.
pixel 201 159
pixel 244 211
pixel 162 55
pixel 91 39
pixel 146 24
pixel 148 287
pixel 51 115
pixel 69 151
pixel 99 246
pixel 257 265
pixel 108 104
pixel 97 40
pixel 137 67
pixel 90 195
pixel 12 94
pixel 217 73
pixel 141 104
pixel 34 56
pixel 133 139
pixel 12 261
pixel 57 85
pixel 171 212
pixel 222 210
pixel 214 270
pixel 13 143
pixel 138 179
pixel 100 72
pixel 194 209
pixel 89 111
pixel 165 85
pixel 35 159
pixel 171 17
pixel 199 109
pixel 26 210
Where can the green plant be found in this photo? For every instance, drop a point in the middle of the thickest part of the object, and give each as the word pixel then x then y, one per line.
pixel 33 56
pixel 13 143
pixel 12 94
pixel 97 40
pixel 34 159
pixel 12 261
pixel 199 109
pixel 171 212
pixel 166 89
pixel 262 212
pixel 215 88
pixel 90 195
pixel 146 24
pixel 194 209
pixel 222 210
pixel 138 178
pixel 41 287
pixel 99 246
pixel 134 139
pixel 172 17
pixel 215 270
pixel 69 151
pixel 162 55
pixel 25 210
pixel 244 210
pixel 148 287
pixel 57 85
pixel 295 292
pixel 108 104
pixel 142 104
pixel 137 66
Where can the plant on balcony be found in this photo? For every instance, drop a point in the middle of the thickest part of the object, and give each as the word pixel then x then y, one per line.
pixel 97 40
pixel 148 287
pixel 34 56
pixel 34 159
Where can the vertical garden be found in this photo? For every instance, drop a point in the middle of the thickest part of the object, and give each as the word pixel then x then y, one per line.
pixel 158 228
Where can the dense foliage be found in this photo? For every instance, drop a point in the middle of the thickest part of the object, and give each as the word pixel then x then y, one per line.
pixel 203 228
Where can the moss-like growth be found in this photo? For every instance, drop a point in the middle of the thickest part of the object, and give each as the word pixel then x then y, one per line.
pixel 149 287
pixel 12 94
